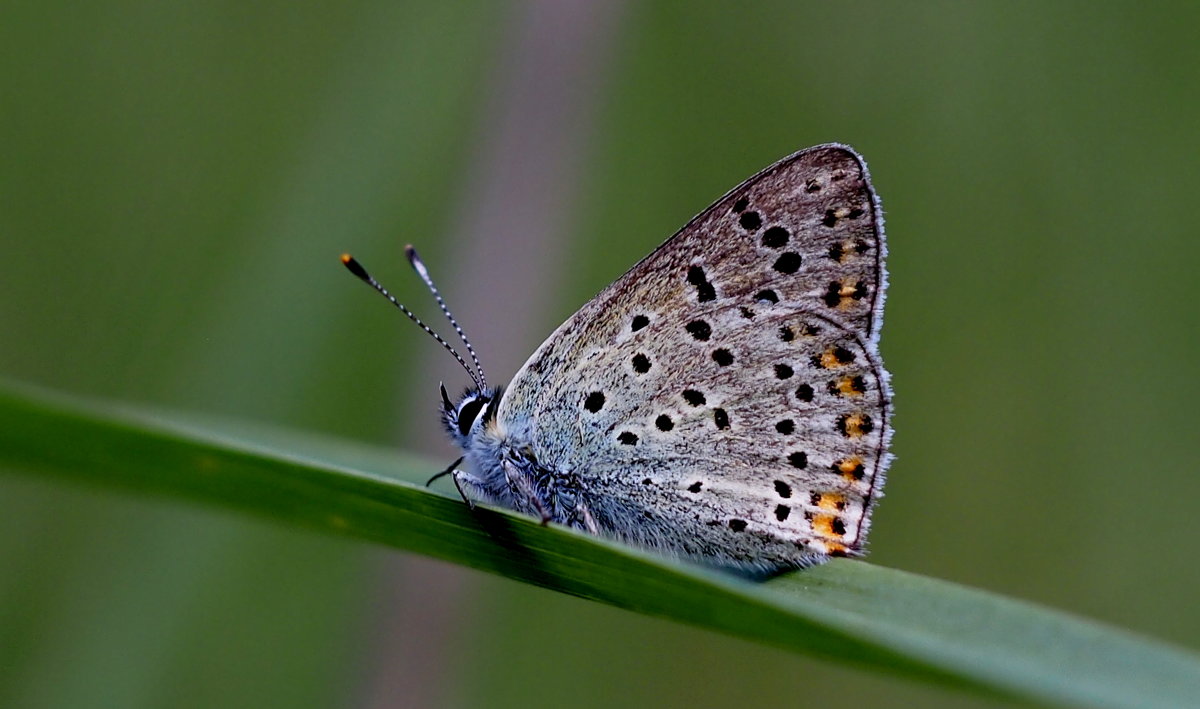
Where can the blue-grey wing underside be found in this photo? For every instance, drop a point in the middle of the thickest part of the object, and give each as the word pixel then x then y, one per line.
pixel 725 399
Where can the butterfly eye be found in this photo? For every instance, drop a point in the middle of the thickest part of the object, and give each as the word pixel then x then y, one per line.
pixel 469 412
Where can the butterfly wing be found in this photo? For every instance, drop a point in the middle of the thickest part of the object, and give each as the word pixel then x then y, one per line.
pixel 724 399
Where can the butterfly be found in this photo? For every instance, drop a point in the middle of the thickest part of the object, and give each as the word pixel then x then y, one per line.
pixel 724 401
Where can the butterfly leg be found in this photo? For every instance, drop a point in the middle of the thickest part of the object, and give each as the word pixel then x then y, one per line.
pixel 459 478
pixel 589 523
pixel 522 484
pixel 448 471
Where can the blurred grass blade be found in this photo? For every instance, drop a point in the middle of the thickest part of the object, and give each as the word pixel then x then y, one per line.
pixel 847 612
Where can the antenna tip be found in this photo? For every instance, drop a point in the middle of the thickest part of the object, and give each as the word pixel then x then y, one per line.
pixel 418 265
pixel 355 267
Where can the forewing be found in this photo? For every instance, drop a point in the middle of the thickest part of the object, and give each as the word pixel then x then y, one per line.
pixel 726 391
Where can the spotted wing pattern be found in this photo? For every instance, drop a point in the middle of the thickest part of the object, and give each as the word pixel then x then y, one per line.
pixel 725 399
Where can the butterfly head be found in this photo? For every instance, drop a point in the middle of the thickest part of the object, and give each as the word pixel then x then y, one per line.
pixel 465 418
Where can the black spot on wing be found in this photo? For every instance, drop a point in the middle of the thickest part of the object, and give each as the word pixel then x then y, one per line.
pixel 704 289
pixel 594 401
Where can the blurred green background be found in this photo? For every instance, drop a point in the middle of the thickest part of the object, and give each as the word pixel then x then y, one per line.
pixel 179 179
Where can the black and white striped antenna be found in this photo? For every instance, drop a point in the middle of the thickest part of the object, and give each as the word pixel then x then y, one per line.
pixel 419 266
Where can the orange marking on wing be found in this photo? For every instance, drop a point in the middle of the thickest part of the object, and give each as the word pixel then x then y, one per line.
pixel 851 468
pixel 828 526
pixel 832 501
pixel 855 426
pixel 829 359
pixel 835 549
pixel 848 386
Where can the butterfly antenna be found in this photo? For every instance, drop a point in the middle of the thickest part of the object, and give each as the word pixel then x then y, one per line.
pixel 356 268
pixel 419 266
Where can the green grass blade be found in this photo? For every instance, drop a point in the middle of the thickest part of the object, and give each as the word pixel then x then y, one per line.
pixel 845 611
